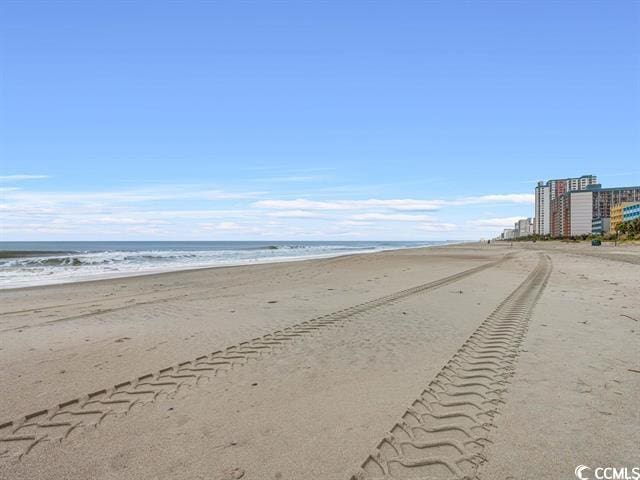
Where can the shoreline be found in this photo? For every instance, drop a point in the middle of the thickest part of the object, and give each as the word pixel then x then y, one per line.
pixel 162 270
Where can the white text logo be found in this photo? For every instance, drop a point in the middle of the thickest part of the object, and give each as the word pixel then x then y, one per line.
pixel 608 473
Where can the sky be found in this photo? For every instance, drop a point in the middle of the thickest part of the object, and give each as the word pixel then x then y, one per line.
pixel 307 120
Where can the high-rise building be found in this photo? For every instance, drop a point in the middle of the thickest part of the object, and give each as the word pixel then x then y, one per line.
pixel 605 198
pixel 543 210
pixel 508 234
pixel 573 212
pixel 523 227
pixel 581 212
pixel 545 193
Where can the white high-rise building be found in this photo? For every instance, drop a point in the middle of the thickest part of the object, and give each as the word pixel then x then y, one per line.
pixel 581 213
pixel 542 225
pixel 546 192
pixel 523 227
pixel 508 234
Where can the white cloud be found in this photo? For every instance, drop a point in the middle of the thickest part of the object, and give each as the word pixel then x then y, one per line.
pixel 305 204
pixel 228 226
pixel 174 193
pixel 18 178
pixel 500 222
pixel 147 231
pixel 293 178
pixel 527 198
pixel 295 214
pixel 181 212
pixel 118 220
pixel 356 223
pixel 392 217
pixel 405 204
pixel 299 204
pixel 438 227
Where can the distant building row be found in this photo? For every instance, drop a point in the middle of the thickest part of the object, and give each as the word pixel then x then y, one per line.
pixel 577 206
pixel 522 228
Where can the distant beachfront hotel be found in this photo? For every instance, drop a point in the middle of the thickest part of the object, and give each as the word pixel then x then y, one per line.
pixel 592 210
pixel 545 193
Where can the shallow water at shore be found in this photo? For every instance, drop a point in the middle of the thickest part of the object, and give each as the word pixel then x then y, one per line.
pixel 40 263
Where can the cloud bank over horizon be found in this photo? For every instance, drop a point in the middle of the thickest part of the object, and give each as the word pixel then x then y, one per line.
pixel 185 211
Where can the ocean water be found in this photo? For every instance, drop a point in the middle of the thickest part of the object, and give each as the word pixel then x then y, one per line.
pixel 39 263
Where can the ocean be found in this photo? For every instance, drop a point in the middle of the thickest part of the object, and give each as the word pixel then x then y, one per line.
pixel 39 263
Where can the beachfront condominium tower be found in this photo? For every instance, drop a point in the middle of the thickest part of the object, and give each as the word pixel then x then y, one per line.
pixel 573 213
pixel 546 192
pixel 542 223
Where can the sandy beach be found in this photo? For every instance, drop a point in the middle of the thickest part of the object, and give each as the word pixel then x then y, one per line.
pixel 491 361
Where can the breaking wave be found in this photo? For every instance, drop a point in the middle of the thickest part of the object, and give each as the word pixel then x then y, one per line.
pixel 37 267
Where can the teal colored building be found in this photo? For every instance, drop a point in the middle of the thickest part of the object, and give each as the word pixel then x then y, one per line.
pixel 631 212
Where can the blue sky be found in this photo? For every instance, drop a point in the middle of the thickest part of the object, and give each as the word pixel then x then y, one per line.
pixel 307 120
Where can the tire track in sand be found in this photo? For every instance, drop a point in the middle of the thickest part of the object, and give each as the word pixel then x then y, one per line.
pixel 443 433
pixel 19 437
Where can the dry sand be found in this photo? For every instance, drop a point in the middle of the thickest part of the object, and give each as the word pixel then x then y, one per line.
pixel 518 385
